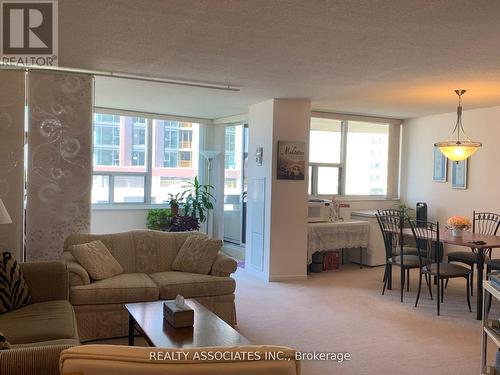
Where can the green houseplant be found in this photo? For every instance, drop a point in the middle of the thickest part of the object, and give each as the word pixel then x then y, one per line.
pixel 405 210
pixel 175 201
pixel 199 200
pixel 159 219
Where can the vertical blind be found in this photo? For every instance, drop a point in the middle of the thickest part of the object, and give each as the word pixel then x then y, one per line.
pixel 59 167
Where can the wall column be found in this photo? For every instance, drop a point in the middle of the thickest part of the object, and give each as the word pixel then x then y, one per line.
pixel 277 209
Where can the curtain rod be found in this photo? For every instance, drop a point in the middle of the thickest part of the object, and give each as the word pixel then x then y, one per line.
pixel 100 73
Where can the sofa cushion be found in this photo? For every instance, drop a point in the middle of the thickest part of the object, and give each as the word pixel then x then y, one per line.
pixel 192 285
pixel 124 288
pixel 42 321
pixel 197 255
pixel 97 260
pixel 14 291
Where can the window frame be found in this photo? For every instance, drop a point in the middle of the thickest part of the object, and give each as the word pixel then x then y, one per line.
pixel 149 146
pixel 313 183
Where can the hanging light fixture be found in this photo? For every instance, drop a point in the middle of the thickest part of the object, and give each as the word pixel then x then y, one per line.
pixel 460 149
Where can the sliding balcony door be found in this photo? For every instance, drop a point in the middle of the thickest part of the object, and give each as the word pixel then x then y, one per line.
pixel 235 183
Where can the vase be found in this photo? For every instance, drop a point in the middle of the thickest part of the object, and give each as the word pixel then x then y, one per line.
pixel 456 232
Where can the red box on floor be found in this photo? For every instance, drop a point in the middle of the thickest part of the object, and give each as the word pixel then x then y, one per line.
pixel 331 260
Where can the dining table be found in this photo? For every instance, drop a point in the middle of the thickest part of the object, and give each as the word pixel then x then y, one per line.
pixel 477 243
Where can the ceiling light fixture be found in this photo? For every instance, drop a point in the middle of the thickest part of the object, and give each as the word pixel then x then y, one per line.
pixel 460 149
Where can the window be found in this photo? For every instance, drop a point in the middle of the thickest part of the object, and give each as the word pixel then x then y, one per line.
pixel 123 172
pixel 230 148
pixel 100 189
pixel 106 140
pixel 138 141
pixel 348 157
pixel 366 158
pixel 129 189
pixel 325 156
pixel 175 160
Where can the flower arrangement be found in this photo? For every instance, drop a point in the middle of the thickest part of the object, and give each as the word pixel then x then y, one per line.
pixel 458 222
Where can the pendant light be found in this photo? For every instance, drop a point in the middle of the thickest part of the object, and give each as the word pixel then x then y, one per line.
pixel 460 149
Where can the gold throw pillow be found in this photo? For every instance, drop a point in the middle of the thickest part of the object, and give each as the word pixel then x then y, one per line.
pixel 197 255
pixel 97 260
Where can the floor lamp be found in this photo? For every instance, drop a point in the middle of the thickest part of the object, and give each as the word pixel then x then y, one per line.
pixel 209 155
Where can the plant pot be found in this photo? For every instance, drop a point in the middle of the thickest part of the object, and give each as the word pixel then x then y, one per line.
pixel 456 232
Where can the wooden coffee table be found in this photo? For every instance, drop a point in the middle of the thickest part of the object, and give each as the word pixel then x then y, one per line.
pixel 208 329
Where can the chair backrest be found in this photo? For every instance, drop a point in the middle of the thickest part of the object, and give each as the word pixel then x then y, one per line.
pixel 389 211
pixel 117 360
pixel 485 223
pixel 426 236
pixel 390 223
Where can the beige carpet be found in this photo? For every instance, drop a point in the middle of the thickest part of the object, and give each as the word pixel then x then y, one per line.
pixel 344 311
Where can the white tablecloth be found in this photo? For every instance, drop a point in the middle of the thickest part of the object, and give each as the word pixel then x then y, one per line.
pixel 337 235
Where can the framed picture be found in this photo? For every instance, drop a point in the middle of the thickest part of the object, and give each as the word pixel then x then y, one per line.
pixel 291 160
pixel 459 175
pixel 440 173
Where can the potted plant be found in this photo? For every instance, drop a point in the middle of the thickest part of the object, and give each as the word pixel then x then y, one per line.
pixel 175 201
pixel 182 223
pixel 199 201
pixel 159 219
pixel 405 210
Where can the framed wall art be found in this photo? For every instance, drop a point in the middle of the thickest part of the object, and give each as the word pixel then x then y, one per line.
pixel 459 175
pixel 291 163
pixel 440 170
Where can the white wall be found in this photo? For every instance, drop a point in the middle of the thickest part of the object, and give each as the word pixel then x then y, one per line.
pixel 260 130
pixel 284 217
pixel 292 119
pixel 482 193
pixel 119 220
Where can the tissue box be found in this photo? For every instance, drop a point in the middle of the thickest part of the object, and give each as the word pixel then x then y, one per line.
pixel 178 317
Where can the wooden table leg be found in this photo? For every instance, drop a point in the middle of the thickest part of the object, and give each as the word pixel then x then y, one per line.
pixel 479 292
pixel 131 323
pixel 360 257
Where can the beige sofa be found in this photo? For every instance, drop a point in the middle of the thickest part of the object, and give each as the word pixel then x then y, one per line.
pixel 40 331
pixel 146 257
pixel 118 360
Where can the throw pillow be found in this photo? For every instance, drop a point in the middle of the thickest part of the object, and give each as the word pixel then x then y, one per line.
pixel 14 292
pixel 97 260
pixel 4 344
pixel 197 255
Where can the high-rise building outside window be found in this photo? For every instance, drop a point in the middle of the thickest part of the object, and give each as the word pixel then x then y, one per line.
pixel 121 166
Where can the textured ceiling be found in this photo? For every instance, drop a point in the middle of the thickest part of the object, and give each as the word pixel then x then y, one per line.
pixel 399 58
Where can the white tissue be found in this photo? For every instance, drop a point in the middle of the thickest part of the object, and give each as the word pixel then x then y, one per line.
pixel 179 302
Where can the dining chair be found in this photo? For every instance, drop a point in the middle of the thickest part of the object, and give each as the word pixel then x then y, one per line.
pixel 391 227
pixel 406 249
pixel 426 236
pixel 484 223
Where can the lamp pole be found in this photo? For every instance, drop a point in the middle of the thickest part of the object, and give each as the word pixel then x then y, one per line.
pixel 209 155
